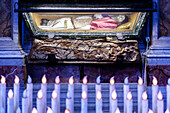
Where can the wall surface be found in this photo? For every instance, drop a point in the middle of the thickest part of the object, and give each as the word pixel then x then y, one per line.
pixel 165 18
pixel 5 18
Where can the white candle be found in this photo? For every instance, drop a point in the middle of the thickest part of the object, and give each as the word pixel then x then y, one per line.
pixel 113 102
pixel 3 93
pixel 71 92
pixel 144 102
pixel 98 85
pixel 129 103
pixel 10 103
pixel 54 102
pixel 154 94
pixel 29 93
pixel 117 110
pixel 44 91
pixel 111 89
pixel 150 111
pixel 84 102
pixel 125 92
pixel 84 85
pixel 167 111
pixel 140 91
pixel 16 93
pixel 57 89
pixel 69 105
pixel 67 111
pixel 99 102
pixel 34 110
pixel 40 101
pixel 25 102
pixel 49 110
pixel 168 94
pixel 18 110
pixel 160 104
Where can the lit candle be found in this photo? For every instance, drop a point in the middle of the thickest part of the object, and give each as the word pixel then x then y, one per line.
pixel 3 93
pixel 25 102
pixel 16 93
pixel 18 110
pixel 29 93
pixel 44 91
pixel 40 101
pixel 84 102
pixel 140 91
pixel 57 89
pixel 84 85
pixel 67 111
pixel 71 91
pixel 117 110
pixel 49 110
pixel 129 103
pixel 154 94
pixel 126 90
pixel 160 104
pixel 168 94
pixel 54 102
pixel 113 102
pixel 10 103
pixel 69 105
pixel 34 110
pixel 150 111
pixel 98 85
pixel 99 102
pixel 167 111
pixel 111 89
pixel 144 102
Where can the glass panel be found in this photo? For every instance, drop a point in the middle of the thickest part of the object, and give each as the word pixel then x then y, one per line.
pixel 103 22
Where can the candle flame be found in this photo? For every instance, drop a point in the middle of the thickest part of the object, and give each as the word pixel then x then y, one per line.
pixel 169 81
pixel 129 96
pixel 98 80
pixel 3 79
pixel 140 81
pixel 29 80
pixel 114 95
pixel 44 80
pixel 126 80
pixel 160 95
pixel 154 81
pixel 85 80
pixel 150 111
pixel 10 94
pixel 54 94
pixel 34 110
pixel 84 95
pixel 57 80
pixel 16 79
pixel 144 96
pixel 67 111
pixel 99 95
pixel 71 80
pixel 40 94
pixel 117 110
pixel 167 111
pixel 112 81
pixel 49 110
pixel 25 93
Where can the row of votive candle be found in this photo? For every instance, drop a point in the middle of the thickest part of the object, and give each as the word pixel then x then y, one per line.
pixel 41 102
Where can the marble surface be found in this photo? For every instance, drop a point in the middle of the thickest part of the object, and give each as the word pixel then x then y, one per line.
pixel 161 72
pixel 5 18
pixel 164 17
pixel 10 71
pixel 119 71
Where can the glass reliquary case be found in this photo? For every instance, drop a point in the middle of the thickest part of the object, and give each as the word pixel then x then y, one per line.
pixel 85 23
